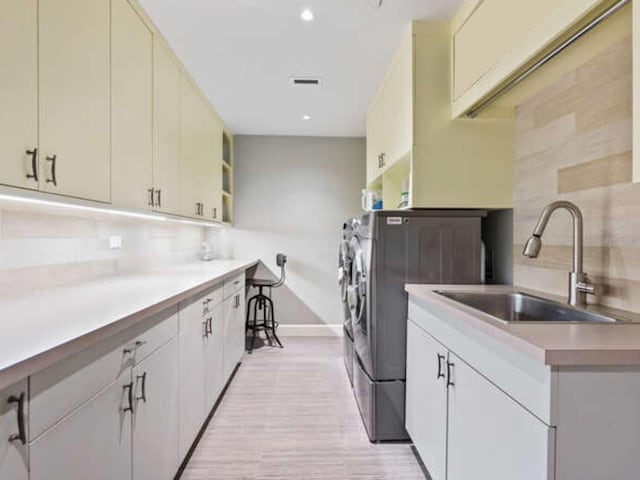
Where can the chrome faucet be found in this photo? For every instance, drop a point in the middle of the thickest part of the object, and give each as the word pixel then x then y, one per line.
pixel 579 283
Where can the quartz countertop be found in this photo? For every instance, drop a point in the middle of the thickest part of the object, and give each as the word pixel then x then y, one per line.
pixel 44 327
pixel 555 344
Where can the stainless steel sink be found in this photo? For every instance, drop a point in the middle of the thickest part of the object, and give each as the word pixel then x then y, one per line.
pixel 520 307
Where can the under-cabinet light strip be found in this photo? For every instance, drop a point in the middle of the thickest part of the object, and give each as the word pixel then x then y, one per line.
pixel 110 211
pixel 549 56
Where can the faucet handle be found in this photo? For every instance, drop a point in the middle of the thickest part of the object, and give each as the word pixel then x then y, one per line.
pixel 587 287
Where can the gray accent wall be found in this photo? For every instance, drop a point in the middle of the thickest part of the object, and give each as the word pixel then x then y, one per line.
pixel 292 195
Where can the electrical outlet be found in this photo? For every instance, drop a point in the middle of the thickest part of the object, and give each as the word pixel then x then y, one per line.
pixel 115 242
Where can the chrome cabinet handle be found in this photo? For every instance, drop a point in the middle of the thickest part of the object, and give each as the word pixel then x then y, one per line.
pixel 143 389
pixel 450 366
pixel 22 430
pixel 440 372
pixel 151 203
pixel 209 326
pixel 53 160
pixel 382 155
pixel 34 164
pixel 129 389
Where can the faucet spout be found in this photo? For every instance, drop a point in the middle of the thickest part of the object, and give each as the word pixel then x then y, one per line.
pixel 579 284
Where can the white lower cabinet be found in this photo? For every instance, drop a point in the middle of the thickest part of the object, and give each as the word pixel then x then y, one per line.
pixel 234 329
pixel 155 420
pixel 214 358
pixel 92 442
pixel 201 354
pixel 490 435
pixel 426 402
pixel 463 426
pixel 14 460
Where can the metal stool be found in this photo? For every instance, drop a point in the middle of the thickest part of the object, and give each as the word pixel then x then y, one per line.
pixel 263 303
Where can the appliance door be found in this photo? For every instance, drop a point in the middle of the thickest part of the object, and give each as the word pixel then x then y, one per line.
pixel 359 299
pixel 344 280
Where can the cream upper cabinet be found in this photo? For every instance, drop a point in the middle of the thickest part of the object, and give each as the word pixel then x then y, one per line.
pixel 74 78
pixel 488 50
pixel 131 108
pixel 194 145
pixel 213 179
pixel 486 37
pixel 19 93
pixel 390 116
pixel 166 159
pixel 445 163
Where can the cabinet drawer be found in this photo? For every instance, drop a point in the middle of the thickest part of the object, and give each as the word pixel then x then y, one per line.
pixel 158 330
pixel 233 284
pixel 61 388
pixel 198 305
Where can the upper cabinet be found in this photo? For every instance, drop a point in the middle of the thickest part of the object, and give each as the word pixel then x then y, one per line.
pixel 416 154
pixel 390 116
pixel 131 108
pixel 19 93
pixel 166 159
pixel 74 79
pixel 97 107
pixel 488 50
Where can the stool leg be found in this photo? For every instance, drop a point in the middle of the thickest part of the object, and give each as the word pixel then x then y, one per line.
pixel 273 322
pixel 247 325
pixel 254 328
pixel 265 318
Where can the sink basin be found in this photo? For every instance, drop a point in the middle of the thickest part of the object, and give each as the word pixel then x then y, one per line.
pixel 520 307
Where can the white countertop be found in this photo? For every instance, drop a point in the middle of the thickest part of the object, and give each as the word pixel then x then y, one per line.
pixel 555 344
pixel 39 329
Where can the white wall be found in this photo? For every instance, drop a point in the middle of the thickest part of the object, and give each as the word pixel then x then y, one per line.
pixel 292 196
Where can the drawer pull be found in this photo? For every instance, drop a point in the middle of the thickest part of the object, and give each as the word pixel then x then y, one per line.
pixel 159 198
pixel 53 179
pixel 205 326
pixel 151 203
pixel 143 387
pixel 210 326
pixel 136 346
pixel 22 430
pixel 129 389
pixel 34 164
pixel 450 366
pixel 440 372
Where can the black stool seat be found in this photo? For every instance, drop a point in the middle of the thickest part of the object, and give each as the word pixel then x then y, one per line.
pixel 263 303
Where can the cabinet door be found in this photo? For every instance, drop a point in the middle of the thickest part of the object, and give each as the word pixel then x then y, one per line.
pixel 93 442
pixel 75 97
pixel 18 91
pixel 426 400
pixel 166 159
pixel 214 358
pixel 375 119
pixel 194 117
pixel 191 363
pixel 131 107
pixel 14 462
pixel 492 436
pixel 155 423
pixel 397 129
pixel 212 181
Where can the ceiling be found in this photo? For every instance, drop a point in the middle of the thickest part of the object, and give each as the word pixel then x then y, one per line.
pixel 243 52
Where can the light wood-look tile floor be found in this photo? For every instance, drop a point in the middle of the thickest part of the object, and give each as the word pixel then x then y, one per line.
pixel 291 414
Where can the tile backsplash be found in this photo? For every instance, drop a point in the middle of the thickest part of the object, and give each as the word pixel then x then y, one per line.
pixel 46 246
pixel 574 142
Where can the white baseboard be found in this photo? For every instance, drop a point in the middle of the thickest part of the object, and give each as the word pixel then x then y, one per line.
pixel 310 330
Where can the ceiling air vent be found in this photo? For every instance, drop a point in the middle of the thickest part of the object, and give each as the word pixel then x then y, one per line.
pixel 308 81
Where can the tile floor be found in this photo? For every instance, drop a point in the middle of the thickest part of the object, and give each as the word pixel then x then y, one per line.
pixel 291 414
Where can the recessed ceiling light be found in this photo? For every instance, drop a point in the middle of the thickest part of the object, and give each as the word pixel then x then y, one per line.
pixel 306 117
pixel 307 15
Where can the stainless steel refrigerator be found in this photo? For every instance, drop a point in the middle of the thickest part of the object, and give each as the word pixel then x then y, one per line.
pixel 390 249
